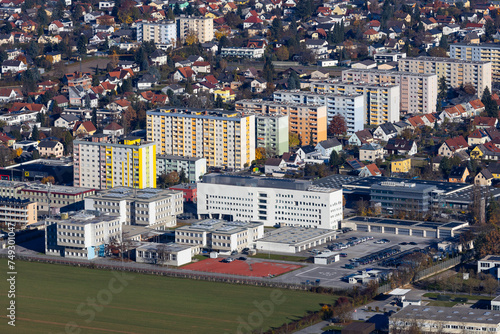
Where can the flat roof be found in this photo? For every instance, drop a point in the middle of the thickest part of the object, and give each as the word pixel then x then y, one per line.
pixel 85 218
pixel 444 60
pixel 219 226
pixel 399 292
pixel 199 113
pixel 407 223
pixel 389 72
pixel 127 193
pixel 448 314
pixel 169 247
pixel 367 182
pixel 292 235
pixel 274 103
pixel 264 182
pixel 300 92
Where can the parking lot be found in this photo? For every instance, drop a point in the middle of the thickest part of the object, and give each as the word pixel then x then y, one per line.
pixel 331 275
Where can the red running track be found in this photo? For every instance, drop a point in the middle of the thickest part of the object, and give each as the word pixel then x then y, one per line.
pixel 242 268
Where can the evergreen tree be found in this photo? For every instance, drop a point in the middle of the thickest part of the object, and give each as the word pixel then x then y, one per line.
pixel 268 70
pixel 490 106
pixel 443 43
pixel 35 134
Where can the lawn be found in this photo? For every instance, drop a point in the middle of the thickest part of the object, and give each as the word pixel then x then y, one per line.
pixel 280 257
pixel 50 298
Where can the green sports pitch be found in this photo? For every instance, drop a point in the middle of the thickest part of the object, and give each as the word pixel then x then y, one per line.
pixel 61 299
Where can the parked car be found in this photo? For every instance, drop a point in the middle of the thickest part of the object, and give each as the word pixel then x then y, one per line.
pixel 343 254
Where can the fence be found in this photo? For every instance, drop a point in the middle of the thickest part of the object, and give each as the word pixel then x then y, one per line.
pixel 437 268
pixel 177 274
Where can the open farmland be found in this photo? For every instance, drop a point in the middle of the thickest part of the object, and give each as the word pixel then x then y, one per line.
pixel 62 299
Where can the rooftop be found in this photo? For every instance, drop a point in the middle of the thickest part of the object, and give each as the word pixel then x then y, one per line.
pixel 219 226
pixel 264 182
pixel 455 314
pixel 295 235
pixel 444 60
pixel 125 193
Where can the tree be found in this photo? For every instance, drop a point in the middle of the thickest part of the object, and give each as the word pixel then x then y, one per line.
pixel 48 179
pixel 293 81
pixel 490 105
pixel 282 53
pixel 442 93
pixel 304 9
pixel 361 207
pixel 36 154
pixel 35 135
pixel 443 42
pixel 268 70
pixel 293 139
pixel 191 38
pixel 336 159
pixel 343 309
pixel 260 153
pixel 82 44
pixel 172 178
pixel 219 103
pixel 338 125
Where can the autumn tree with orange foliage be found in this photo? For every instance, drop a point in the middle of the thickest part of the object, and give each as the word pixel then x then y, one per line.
pixel 260 153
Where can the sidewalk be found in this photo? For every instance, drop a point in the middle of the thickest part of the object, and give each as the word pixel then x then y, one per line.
pixel 314 329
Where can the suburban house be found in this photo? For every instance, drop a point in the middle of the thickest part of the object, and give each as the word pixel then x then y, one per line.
pixel 401 147
pixel 13 66
pixel 371 152
pixel 326 147
pixel 458 174
pixel 51 148
pixel 483 178
pixel 66 121
pixel 453 145
pixel 361 137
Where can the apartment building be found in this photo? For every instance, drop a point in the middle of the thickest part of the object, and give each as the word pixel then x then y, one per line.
pixel 219 235
pixel 82 235
pixel 161 32
pixel 382 101
pixel 241 52
pixel 102 162
pixel 271 133
pixel 194 167
pixel 16 211
pixel 418 91
pixel 489 52
pixel 305 120
pixel 457 72
pixel 224 138
pixel 201 27
pixel 154 208
pixel 46 196
pixel 283 202
pixel 350 106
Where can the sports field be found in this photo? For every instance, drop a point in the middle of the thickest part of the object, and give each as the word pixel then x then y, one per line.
pixel 243 268
pixel 61 299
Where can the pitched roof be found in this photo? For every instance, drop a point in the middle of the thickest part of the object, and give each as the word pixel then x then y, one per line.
pixel 333 142
pixel 456 143
pixel 113 126
pixel 87 125
pixel 374 170
pixel 486 174
pixel 484 121
pixel 273 161
pixel 397 144
pixel 186 71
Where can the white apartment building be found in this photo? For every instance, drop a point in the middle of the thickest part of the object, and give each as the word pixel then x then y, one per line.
pixel 457 72
pixel 82 235
pixel 201 27
pixel 194 168
pixel 162 32
pixel 418 92
pixel 350 106
pixel 242 52
pixel 382 102
pixel 102 163
pixel 219 235
pixel 224 138
pixel 282 202
pixel 272 133
pixel 489 52
pixel 154 208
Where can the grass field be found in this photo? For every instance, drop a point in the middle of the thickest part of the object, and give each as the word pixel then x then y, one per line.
pixel 51 298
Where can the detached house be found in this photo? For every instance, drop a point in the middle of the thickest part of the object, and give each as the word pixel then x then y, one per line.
pixel 452 146
pixel 385 131
pixel 371 152
pixel 483 178
pixel 326 147
pixel 13 66
pixel 401 147
pixel 184 73
pixel 51 148
pixel 361 137
pixel 478 136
